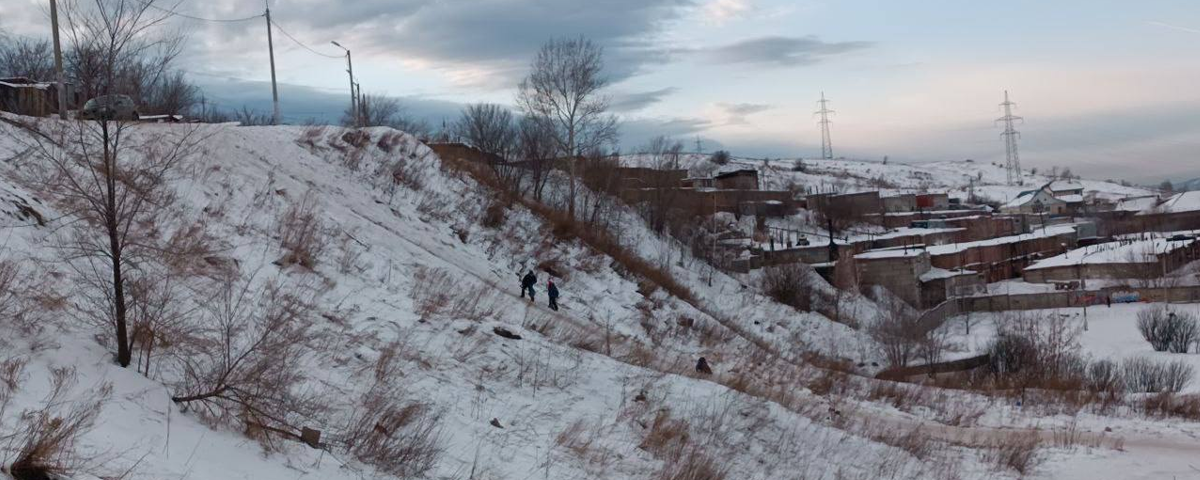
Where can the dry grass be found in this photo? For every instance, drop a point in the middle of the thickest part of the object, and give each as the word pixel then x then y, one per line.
pixel 399 437
pixel 46 440
pixel 303 236
pixel 1019 452
pixel 666 437
pixel 693 464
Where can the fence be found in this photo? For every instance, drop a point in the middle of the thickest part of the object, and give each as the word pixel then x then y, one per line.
pixel 933 318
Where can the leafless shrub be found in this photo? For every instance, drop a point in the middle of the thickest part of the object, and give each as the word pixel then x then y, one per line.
pixel 789 284
pixel 1166 330
pixel 1167 404
pixel 493 215
pixel 899 333
pixel 409 173
pixel 159 317
pixel 1019 452
pixel 1037 351
pixel 693 464
pixel 243 364
pixel 1143 375
pixel 666 436
pixel 302 233
pixel 719 157
pixel 45 440
pixel 1104 376
pixel 398 437
pixel 11 370
pixel 916 441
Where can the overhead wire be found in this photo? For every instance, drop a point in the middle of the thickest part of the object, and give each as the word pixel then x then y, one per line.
pixel 202 19
pixel 301 44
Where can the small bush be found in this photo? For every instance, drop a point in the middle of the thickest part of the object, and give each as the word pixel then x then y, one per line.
pixel 1018 452
pixel 789 284
pixel 357 138
pixel 396 436
pixel 1167 331
pixel 302 234
pixel 1104 376
pixel 1143 375
pixel 693 465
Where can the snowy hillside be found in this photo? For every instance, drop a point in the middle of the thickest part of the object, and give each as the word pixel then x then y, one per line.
pixel 405 295
pixel 849 176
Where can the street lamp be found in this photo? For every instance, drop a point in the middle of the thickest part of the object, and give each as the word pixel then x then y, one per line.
pixel 350 70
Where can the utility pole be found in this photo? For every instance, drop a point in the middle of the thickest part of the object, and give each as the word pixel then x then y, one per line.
pixel 363 110
pixel 271 50
pixel 58 68
pixel 353 96
pixel 826 143
pixel 1010 142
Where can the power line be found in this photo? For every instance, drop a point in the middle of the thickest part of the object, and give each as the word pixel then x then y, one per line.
pixel 202 19
pixel 301 44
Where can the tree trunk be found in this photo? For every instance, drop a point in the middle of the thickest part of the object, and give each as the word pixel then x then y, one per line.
pixel 124 355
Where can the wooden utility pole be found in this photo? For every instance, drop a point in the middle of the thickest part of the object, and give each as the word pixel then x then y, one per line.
pixel 271 51
pixel 58 67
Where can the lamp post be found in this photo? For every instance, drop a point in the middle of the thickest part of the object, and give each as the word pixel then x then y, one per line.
pixel 350 70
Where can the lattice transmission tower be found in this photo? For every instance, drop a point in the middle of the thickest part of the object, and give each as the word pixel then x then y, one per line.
pixel 1010 136
pixel 826 143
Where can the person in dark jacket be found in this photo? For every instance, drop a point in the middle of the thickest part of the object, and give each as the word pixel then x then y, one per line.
pixel 527 283
pixel 552 291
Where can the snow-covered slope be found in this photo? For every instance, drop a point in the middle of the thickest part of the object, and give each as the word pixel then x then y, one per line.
pixel 408 277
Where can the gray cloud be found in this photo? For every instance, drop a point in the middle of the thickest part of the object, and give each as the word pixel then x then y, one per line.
pixel 736 113
pixel 495 36
pixel 632 102
pixel 781 51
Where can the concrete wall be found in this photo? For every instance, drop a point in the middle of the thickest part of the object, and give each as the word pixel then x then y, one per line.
pixel 900 275
pixel 900 203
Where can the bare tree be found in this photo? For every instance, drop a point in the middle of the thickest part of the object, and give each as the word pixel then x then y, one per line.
pixel 488 127
pixel 663 191
pixel 898 332
pixel 537 150
pixel 244 364
pixel 492 129
pixel 563 94
pixel 377 110
pixel 24 57
pixel 118 46
pixel 115 184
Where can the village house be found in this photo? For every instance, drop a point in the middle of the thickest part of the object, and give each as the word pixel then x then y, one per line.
pixel 1040 201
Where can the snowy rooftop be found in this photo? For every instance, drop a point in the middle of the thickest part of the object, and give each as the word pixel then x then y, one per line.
pixel 1039 233
pixel 1178 203
pixel 1139 251
pixel 936 273
pixel 1136 204
pixel 891 253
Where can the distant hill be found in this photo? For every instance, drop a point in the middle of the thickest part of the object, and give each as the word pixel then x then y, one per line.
pixel 1193 184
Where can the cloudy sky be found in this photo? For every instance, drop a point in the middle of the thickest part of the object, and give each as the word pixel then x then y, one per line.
pixel 1107 87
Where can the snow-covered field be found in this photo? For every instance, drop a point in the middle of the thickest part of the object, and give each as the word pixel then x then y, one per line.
pixel 1104 333
pixel 410 273
pixel 989 181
